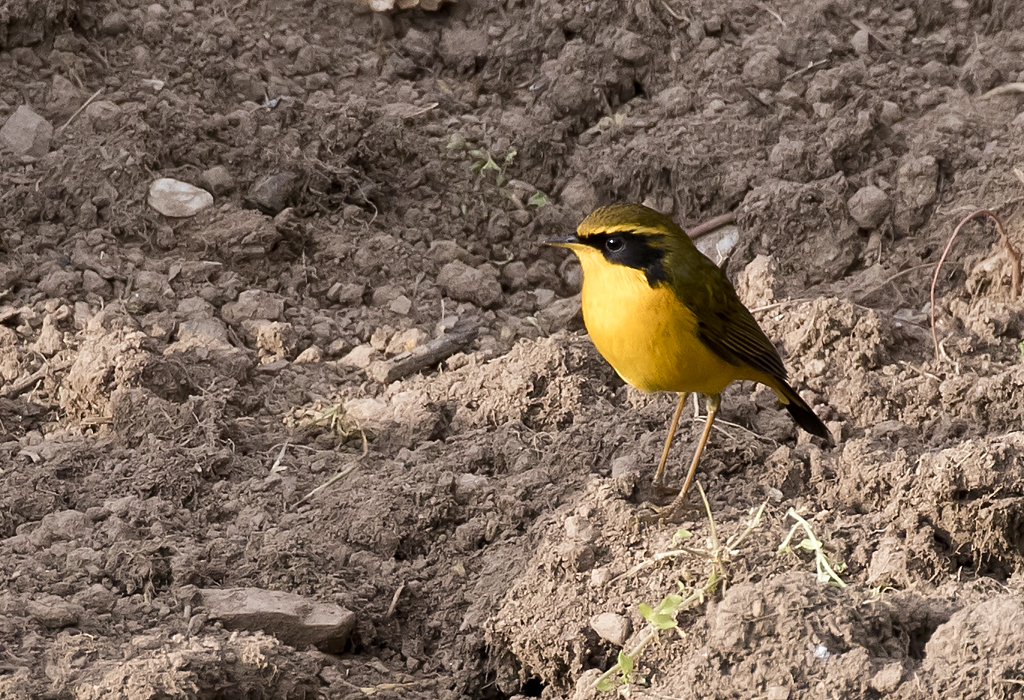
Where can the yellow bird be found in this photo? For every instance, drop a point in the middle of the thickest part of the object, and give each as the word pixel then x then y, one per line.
pixel 668 319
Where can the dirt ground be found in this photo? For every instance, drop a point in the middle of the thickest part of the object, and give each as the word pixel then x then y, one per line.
pixel 173 389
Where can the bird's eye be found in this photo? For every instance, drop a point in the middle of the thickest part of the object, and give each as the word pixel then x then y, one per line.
pixel 615 244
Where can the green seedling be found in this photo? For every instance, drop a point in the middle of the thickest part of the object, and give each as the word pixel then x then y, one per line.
pixel 663 616
pixel 485 162
pixel 538 199
pixel 826 571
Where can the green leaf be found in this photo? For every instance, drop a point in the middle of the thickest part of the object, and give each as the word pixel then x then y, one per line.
pixel 605 685
pixel 663 621
pixel 670 603
pixel 682 534
pixel 808 544
pixel 625 663
pixel 1020 347
pixel 646 611
pixel 538 199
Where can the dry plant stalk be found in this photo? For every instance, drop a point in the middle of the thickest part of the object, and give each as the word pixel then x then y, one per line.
pixel 1011 251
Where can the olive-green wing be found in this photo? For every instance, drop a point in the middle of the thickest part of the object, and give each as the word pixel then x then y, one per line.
pixel 729 330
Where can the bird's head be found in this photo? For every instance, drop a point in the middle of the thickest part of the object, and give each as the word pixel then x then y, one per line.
pixel 631 235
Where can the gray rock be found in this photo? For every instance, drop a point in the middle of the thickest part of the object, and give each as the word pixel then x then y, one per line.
pixel 271 194
pixel 294 619
pixel 675 100
pixel 464 283
pixel 254 304
pixel 113 24
pixel 26 133
pixel 580 529
pixel 916 190
pixel 50 340
pixel 579 195
pixel 612 628
pixel 888 679
pixel 217 180
pixel 53 612
pixel 630 47
pixel 178 199
pixel 359 357
pixel 762 70
pixel 869 207
pixel 103 115
pixel 514 275
pixel 561 314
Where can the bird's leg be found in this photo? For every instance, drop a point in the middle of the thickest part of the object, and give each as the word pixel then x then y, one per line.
pixel 714 401
pixel 659 475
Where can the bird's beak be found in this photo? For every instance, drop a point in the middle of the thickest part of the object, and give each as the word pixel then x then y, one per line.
pixel 562 242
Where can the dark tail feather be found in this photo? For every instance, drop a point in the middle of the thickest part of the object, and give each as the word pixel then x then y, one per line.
pixel 802 413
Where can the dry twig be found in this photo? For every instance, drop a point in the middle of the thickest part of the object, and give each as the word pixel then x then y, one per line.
pixel 1010 250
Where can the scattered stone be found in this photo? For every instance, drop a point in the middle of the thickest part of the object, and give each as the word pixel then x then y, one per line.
pixel 217 181
pixel 675 100
pixel 65 98
pixel 60 284
pixel 514 275
pixel 61 526
pixel 630 47
pixel 470 485
pixel 916 190
pixel 579 195
pixel 26 133
pixel 178 199
pixel 890 114
pixel 561 314
pixel 114 24
pixel 612 628
pixel 461 48
pixel 788 160
pixel 50 341
pixel 888 679
pixel 311 355
pixel 95 598
pixel 92 283
pixel 861 41
pixel 103 116
pixel 384 294
pixel 580 529
pixel 406 341
pixel 762 70
pixel 272 193
pixel 379 338
pixel 254 304
pixel 275 339
pixel 869 207
pixel 445 251
pixel 544 297
pixel 757 282
pixel 625 465
pixel 402 305
pixel 293 619
pixel 600 577
pixel 350 294
pixel 359 357
pixel 53 612
pixel 778 692
pixel 464 283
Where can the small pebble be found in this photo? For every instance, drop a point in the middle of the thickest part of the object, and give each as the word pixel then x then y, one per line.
pixel 614 629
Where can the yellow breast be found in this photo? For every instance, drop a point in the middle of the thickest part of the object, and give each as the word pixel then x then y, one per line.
pixel 646 334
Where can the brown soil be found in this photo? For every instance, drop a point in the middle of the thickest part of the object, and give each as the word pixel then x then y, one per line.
pixel 173 388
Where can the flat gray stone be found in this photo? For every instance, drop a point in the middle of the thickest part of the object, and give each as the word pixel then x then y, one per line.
pixel 26 133
pixel 294 619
